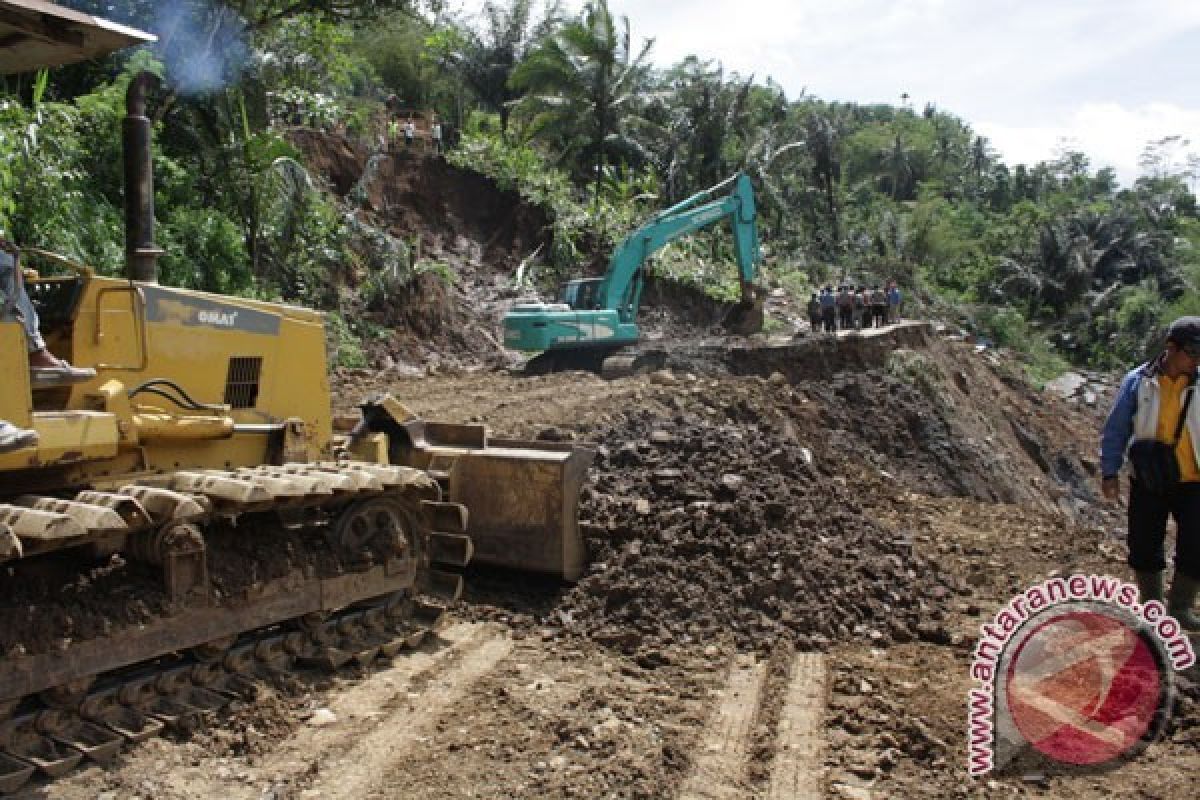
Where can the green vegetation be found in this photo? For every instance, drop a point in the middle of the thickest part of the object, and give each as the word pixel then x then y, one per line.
pixel 1053 259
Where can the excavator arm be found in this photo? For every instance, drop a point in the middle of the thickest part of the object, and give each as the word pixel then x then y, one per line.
pixel 622 286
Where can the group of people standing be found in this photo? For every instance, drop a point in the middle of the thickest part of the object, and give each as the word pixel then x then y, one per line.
pixel 854 307
pixel 406 130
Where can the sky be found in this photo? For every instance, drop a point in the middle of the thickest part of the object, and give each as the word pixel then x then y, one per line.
pixel 1100 76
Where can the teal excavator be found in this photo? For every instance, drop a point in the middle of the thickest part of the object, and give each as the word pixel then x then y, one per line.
pixel 594 322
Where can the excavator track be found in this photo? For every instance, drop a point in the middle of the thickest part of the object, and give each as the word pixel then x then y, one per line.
pixel 388 548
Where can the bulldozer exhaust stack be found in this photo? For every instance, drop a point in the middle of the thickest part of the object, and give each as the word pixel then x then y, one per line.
pixel 141 253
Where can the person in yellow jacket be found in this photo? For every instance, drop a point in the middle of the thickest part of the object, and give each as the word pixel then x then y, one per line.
pixel 1148 408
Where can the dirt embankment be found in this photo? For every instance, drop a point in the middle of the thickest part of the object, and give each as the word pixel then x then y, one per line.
pixel 462 235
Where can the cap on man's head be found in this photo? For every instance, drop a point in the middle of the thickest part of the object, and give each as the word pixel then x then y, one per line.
pixel 1185 332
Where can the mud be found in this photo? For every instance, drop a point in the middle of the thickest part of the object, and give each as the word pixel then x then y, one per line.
pixel 49 604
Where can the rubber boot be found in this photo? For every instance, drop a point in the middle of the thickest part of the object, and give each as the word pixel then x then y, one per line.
pixel 1150 586
pixel 1182 600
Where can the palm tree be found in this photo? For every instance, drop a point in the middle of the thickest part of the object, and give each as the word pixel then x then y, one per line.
pixel 584 85
pixel 486 58
pixel 900 168
pixel 823 136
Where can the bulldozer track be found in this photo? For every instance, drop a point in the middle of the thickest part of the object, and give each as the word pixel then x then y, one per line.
pixel 376 750
pixel 90 700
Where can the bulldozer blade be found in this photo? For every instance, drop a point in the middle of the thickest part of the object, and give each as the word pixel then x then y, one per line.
pixel 523 500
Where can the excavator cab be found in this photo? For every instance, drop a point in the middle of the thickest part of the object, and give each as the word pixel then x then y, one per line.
pixel 581 295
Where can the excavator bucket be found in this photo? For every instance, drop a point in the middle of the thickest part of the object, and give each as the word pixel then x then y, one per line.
pixel 747 315
pixel 522 497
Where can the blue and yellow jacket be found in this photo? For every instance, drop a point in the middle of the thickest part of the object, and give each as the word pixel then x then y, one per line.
pixel 1147 407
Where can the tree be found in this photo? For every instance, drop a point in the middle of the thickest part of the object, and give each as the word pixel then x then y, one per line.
pixel 822 133
pixel 485 58
pixel 897 157
pixel 584 85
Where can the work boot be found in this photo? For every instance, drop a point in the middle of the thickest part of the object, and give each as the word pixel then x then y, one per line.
pixel 1181 601
pixel 14 438
pixel 1150 586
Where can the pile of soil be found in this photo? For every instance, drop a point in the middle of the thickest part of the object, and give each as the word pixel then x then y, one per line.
pixel 751 507
pixel 702 528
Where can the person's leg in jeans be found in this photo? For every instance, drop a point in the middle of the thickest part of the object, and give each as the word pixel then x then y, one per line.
pixel 14 302
pixel 45 368
pixel 17 299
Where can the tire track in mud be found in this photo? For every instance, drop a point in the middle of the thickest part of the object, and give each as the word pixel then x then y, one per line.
pixel 737 732
pixel 796 772
pixel 720 770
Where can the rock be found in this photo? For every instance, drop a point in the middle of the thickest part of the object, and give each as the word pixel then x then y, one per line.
pixel 661 437
pixel 641 506
pixel 848 792
pixel 1067 384
pixel 777 379
pixel 553 434
pixel 1038 779
pixel 667 475
pixel 322 717
pixel 732 483
pixel 664 377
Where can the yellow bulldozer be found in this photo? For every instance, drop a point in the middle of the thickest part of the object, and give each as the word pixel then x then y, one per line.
pixel 188 519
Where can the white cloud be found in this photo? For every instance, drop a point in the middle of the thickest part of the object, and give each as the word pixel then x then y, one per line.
pixel 1109 133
